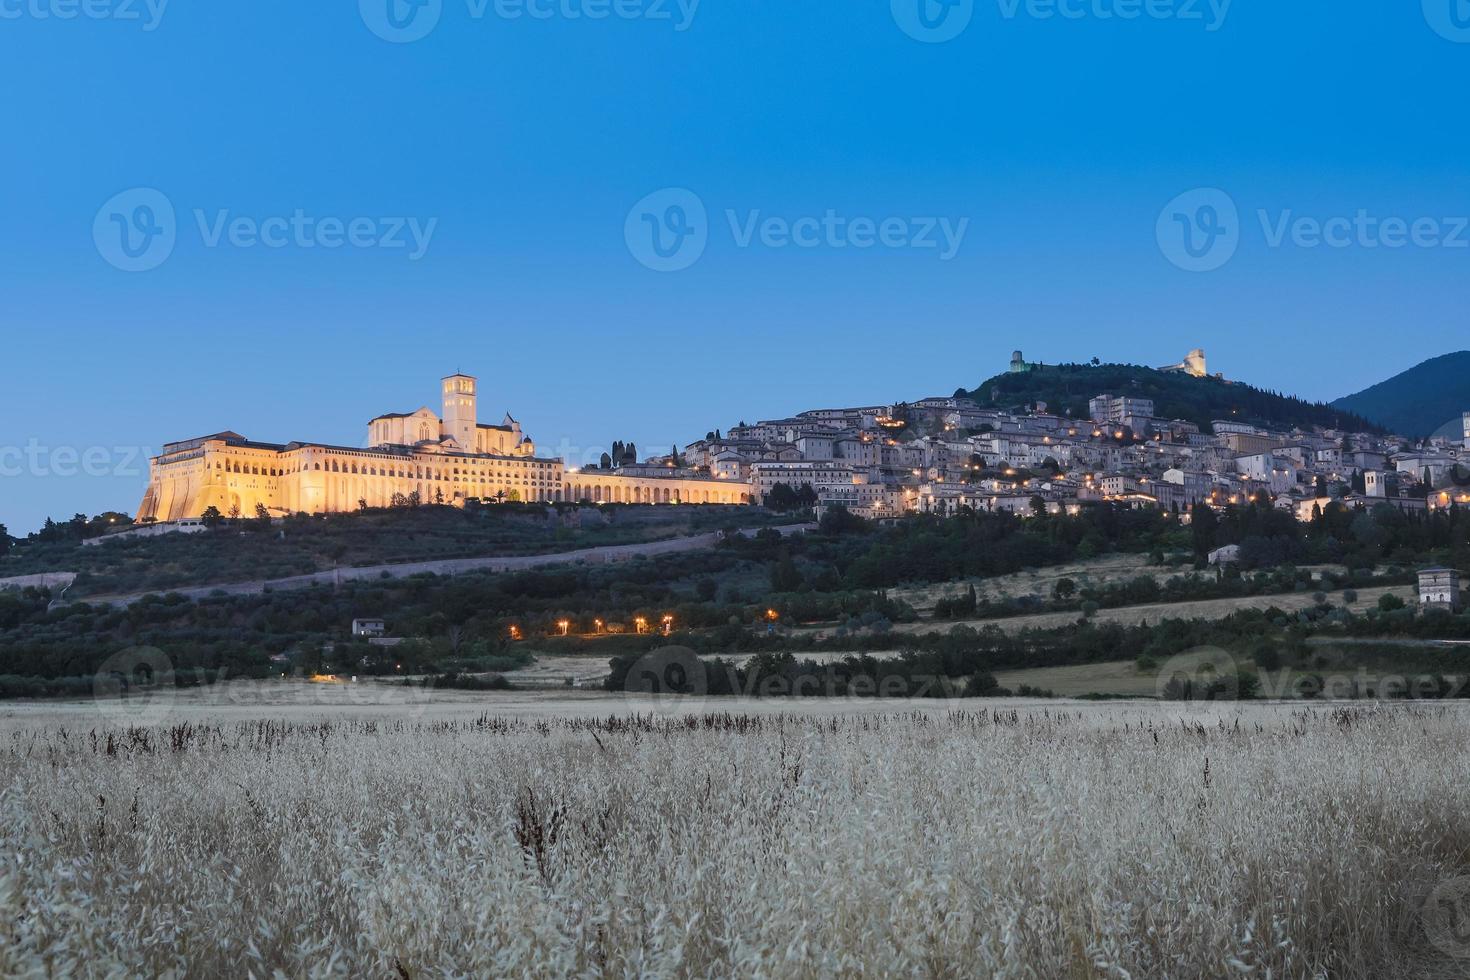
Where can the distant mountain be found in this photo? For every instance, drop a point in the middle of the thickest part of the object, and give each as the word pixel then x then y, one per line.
pixel 1419 401
pixel 1066 389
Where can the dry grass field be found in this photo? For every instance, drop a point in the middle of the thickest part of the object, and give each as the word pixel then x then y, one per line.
pixel 1109 570
pixel 1094 572
pixel 1115 677
pixel 1026 840
pixel 1152 613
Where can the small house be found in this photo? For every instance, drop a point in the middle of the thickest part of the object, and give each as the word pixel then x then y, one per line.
pixel 1228 555
pixel 368 628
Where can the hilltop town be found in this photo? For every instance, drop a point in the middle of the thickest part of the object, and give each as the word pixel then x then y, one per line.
pixel 1033 439
pixel 938 455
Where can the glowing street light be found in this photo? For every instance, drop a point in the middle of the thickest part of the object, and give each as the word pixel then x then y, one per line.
pixel 641 624
pixel 668 622
pixel 564 626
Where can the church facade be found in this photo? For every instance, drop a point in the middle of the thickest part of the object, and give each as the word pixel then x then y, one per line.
pixel 419 456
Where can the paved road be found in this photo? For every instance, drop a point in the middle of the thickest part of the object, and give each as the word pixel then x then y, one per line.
pixel 605 554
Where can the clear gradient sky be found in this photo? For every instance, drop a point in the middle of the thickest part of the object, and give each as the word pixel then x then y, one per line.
pixel 528 140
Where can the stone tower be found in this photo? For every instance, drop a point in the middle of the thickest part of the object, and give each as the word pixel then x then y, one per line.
pixel 1194 363
pixel 459 410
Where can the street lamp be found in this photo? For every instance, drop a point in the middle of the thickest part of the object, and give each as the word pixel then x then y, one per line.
pixel 668 622
pixel 564 625
pixel 641 624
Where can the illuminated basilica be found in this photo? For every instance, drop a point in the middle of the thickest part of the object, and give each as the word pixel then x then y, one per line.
pixel 412 457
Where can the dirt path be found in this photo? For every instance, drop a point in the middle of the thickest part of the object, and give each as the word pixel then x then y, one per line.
pixel 605 554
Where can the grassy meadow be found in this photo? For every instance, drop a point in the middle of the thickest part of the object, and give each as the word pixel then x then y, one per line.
pixel 597 836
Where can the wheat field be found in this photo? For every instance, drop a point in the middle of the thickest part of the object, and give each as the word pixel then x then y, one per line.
pixel 1060 841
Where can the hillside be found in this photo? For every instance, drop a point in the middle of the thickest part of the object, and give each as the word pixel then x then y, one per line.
pixel 1420 400
pixel 301 545
pixel 1066 389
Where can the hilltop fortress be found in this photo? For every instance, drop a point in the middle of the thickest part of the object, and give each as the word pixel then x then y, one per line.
pixel 414 456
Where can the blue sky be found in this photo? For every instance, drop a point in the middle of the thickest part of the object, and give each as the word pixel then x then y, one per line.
pixel 524 143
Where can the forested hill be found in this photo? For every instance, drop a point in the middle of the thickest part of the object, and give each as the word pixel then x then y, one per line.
pixel 1066 389
pixel 1421 399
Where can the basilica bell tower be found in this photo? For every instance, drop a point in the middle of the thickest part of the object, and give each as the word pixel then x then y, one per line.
pixel 459 410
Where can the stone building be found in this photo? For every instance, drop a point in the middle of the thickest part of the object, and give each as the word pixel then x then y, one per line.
pixel 1440 588
pixel 1193 365
pixel 414 456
